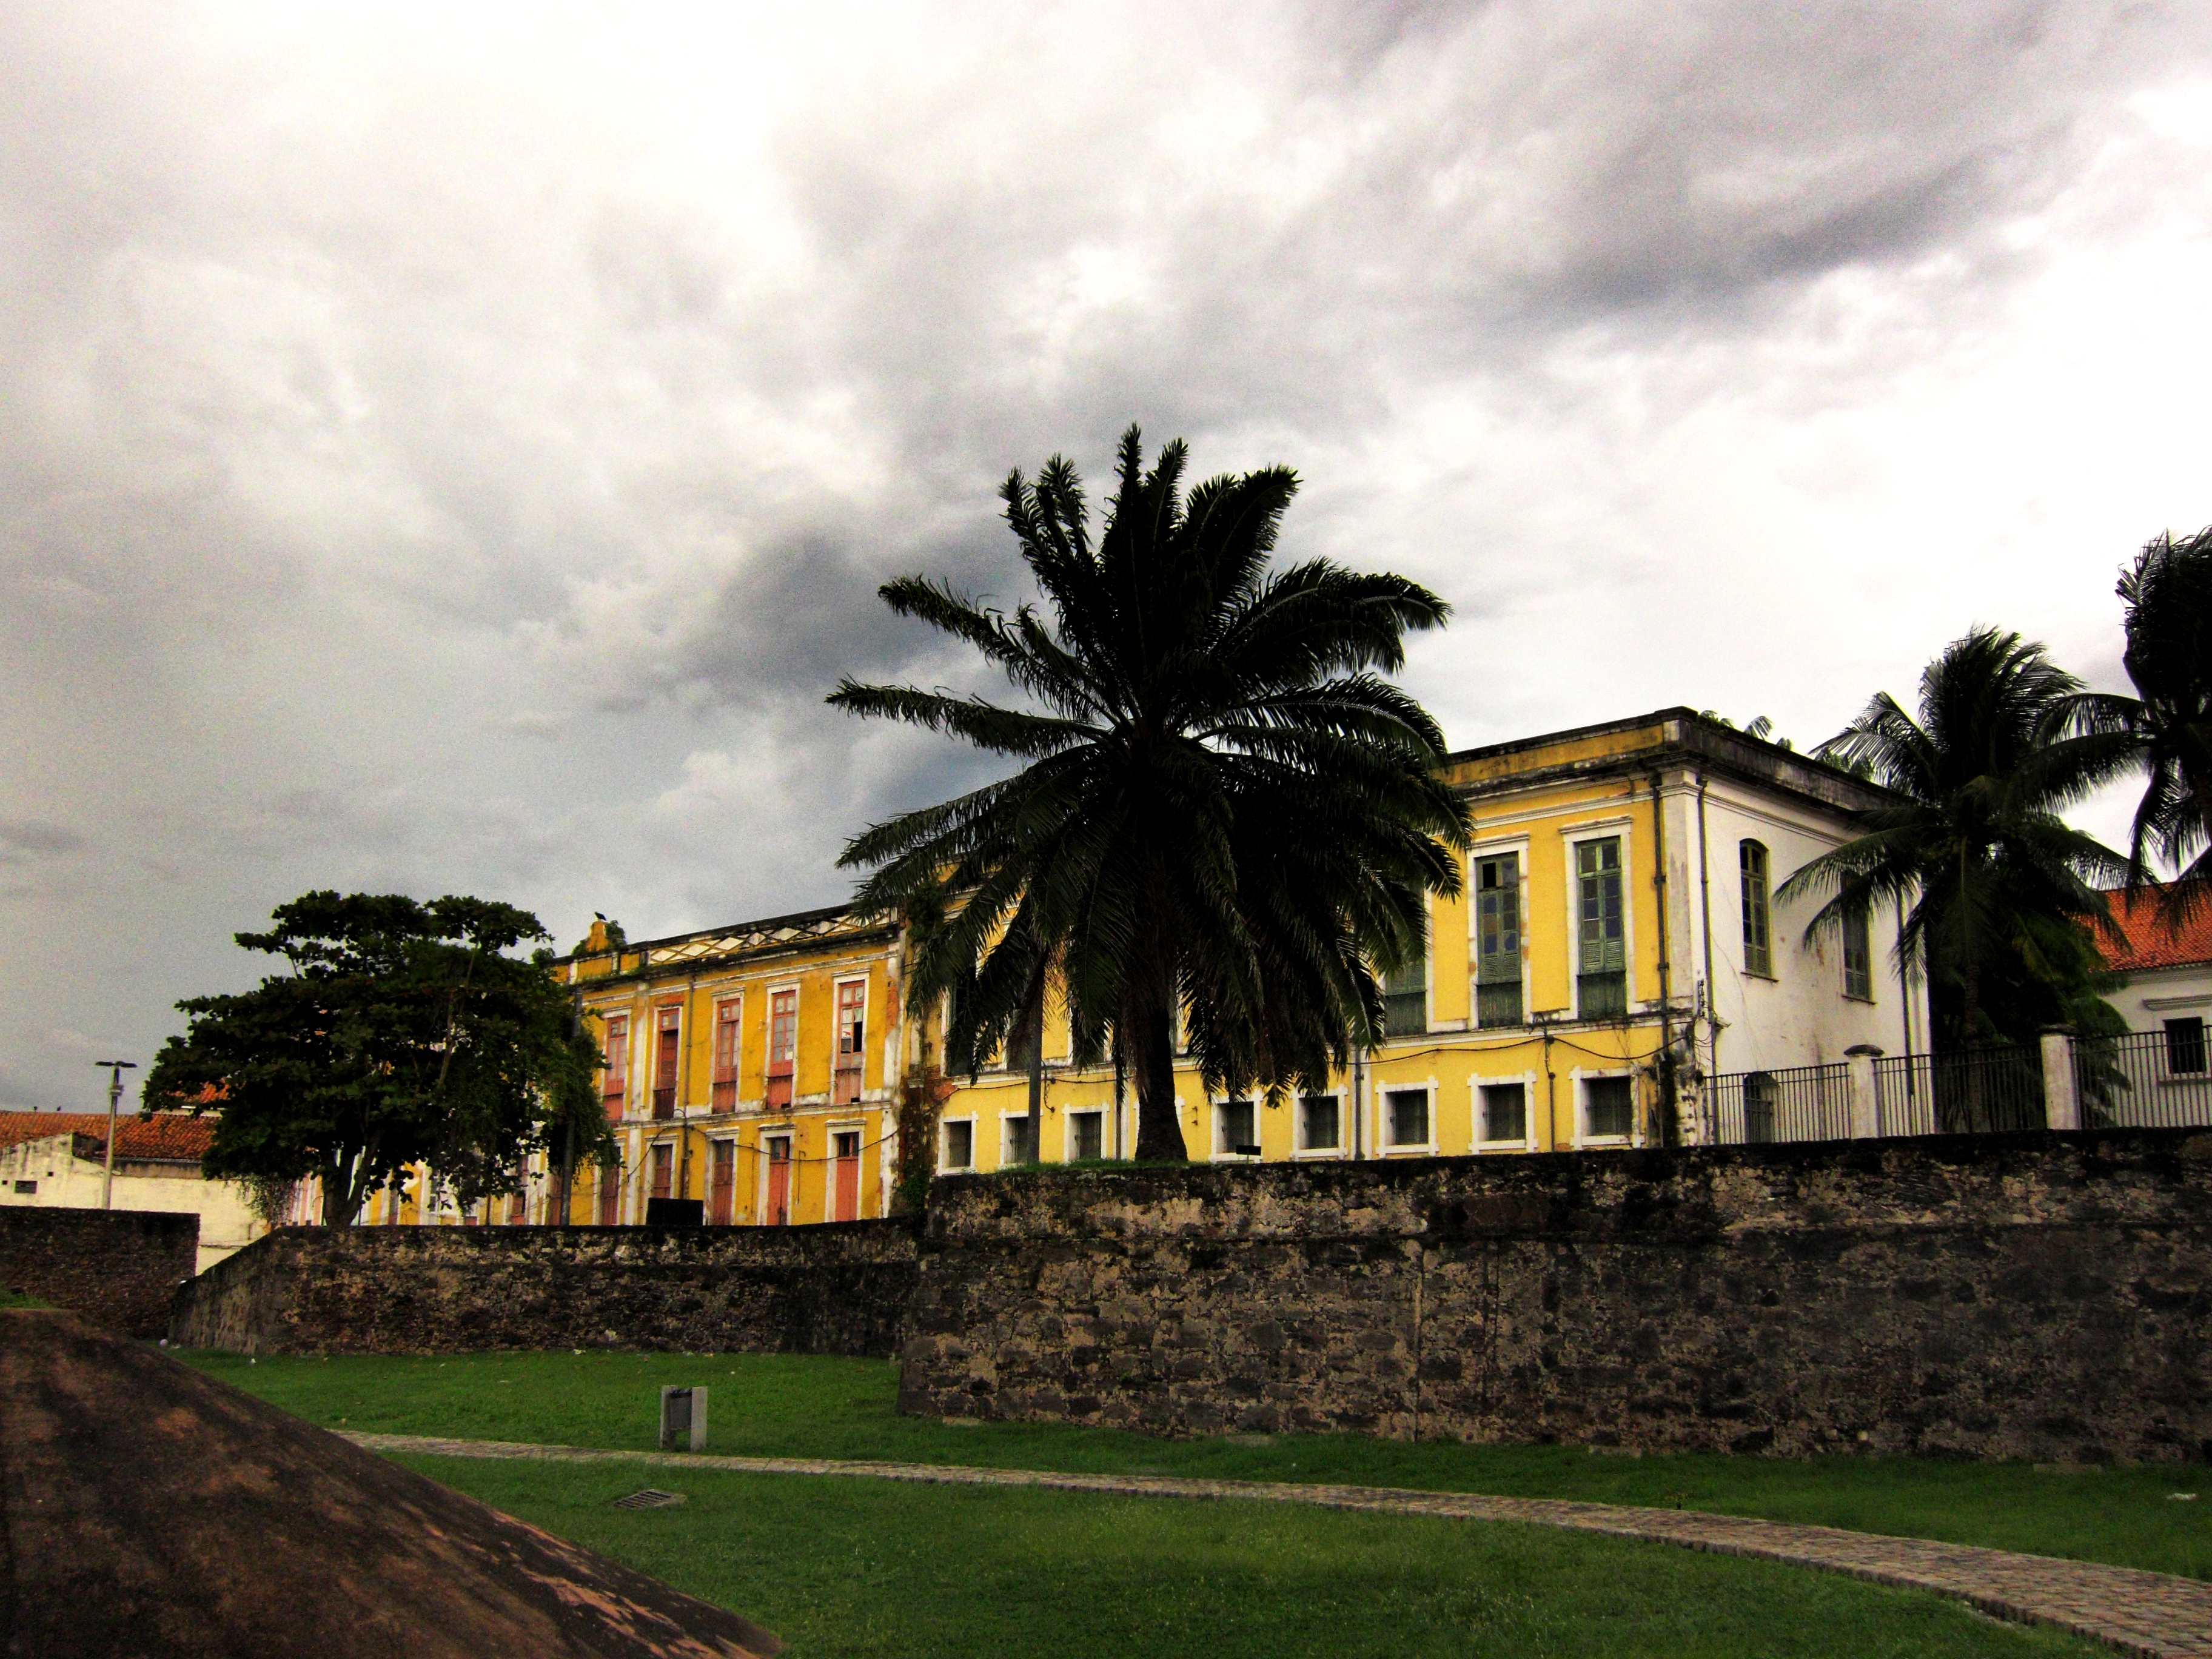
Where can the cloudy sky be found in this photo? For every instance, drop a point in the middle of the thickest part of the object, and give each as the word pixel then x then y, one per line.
pixel 455 448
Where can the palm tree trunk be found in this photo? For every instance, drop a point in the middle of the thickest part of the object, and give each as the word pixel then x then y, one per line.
pixel 1159 1125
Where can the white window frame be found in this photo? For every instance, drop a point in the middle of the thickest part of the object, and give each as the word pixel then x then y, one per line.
pixel 1008 1117
pixel 1216 1106
pixel 1383 1091
pixel 1772 972
pixel 760 1197
pixel 769 995
pixel 1621 828
pixel 1067 1117
pixel 1582 1075
pixel 1297 1127
pixel 1518 846
pixel 836 1011
pixel 1478 1119
pixel 945 1123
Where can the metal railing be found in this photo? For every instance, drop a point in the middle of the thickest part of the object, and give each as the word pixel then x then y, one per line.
pixel 1970 1091
pixel 2145 1080
pixel 1798 1103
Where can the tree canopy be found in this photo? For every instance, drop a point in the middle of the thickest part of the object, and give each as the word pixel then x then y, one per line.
pixel 403 1033
pixel 1999 893
pixel 1224 810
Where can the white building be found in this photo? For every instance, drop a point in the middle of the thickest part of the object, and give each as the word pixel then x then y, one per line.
pixel 58 1159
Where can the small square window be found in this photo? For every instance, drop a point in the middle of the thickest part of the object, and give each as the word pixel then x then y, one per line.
pixel 27 1188
pixel 960 1146
pixel 1609 1107
pixel 1317 1124
pixel 1505 1111
pixel 1016 1135
pixel 1407 1111
pixel 1090 1133
pixel 1239 1135
pixel 2185 1045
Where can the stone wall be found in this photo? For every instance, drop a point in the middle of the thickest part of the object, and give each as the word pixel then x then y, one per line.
pixel 840 1289
pixel 116 1268
pixel 2041 1296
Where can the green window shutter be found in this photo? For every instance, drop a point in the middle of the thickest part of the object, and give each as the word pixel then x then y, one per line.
pixel 1758 927
pixel 1603 947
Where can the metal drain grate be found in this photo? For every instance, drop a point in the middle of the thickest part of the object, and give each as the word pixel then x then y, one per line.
pixel 649 1499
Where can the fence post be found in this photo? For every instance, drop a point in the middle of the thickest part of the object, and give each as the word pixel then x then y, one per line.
pixel 1858 1062
pixel 2062 1103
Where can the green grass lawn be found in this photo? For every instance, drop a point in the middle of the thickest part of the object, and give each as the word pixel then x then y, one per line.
pixel 853 1569
pixel 783 1405
pixel 11 1298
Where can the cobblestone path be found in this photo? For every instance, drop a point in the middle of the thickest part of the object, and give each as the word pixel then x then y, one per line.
pixel 2152 1613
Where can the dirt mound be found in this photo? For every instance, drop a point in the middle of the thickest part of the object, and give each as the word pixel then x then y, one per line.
pixel 147 1511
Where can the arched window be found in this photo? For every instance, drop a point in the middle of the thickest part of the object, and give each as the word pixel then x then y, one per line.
pixel 1758 924
pixel 1758 1106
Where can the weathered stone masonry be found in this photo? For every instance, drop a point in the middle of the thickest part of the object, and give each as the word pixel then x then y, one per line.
pixel 119 1269
pixel 840 1289
pixel 2033 1295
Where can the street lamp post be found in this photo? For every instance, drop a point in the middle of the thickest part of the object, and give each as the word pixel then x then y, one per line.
pixel 116 1068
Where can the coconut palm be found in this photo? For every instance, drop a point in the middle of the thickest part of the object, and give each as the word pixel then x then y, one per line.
pixel 1224 810
pixel 1995 886
pixel 2168 723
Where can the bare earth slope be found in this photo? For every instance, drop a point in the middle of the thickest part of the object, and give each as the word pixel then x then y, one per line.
pixel 147 1511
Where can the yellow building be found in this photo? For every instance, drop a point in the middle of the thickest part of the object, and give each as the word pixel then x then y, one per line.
pixel 1617 905
pixel 1617 913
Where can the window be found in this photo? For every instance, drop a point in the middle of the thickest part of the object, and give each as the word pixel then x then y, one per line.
pixel 1087 1133
pixel 1317 1124
pixel 775 1202
pixel 518 1199
pixel 852 1026
pixel 1505 1111
pixel 667 1056
pixel 1601 948
pixel 726 1055
pixel 722 1194
pixel 1858 958
pixel 1405 999
pixel 1237 1134
pixel 1758 934
pixel 959 1145
pixel 1497 940
pixel 27 1188
pixel 610 1181
pixel 615 1082
pixel 1758 1109
pixel 783 1047
pixel 1025 1043
pixel 1406 1116
pixel 845 1176
pixel 1015 1139
pixel 1609 1108
pixel 664 1169
pixel 2184 1045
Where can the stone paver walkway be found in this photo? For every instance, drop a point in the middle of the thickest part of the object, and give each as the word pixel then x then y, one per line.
pixel 2153 1614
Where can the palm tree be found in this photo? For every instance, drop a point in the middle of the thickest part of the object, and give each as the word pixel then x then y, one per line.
pixel 1223 810
pixel 1994 887
pixel 2168 723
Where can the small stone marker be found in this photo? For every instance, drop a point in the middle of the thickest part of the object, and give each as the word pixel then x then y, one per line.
pixel 683 1419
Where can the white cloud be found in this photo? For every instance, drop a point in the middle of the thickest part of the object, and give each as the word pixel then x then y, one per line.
pixel 456 450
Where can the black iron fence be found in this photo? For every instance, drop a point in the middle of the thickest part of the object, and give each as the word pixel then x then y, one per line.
pixel 2145 1080
pixel 1797 1103
pixel 1972 1091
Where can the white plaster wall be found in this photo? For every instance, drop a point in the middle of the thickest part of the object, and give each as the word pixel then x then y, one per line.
pixel 69 1182
pixel 2148 999
pixel 1800 1016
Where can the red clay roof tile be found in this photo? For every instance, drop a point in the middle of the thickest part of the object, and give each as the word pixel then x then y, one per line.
pixel 168 1135
pixel 2140 940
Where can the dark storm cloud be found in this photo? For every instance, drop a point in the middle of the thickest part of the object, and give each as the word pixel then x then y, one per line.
pixel 457 451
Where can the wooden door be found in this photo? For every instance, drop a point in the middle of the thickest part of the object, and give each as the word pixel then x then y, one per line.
pixel 609 1195
pixel 777 1211
pixel 664 1169
pixel 726 1182
pixel 666 1058
pixel 847 1186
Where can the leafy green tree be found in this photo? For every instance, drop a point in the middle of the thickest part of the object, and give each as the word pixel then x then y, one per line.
pixel 404 1033
pixel 1998 890
pixel 2167 724
pixel 1223 809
